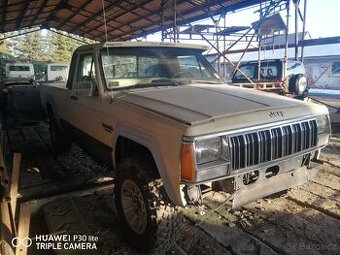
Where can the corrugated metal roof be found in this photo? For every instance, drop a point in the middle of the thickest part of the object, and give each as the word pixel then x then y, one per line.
pixel 126 19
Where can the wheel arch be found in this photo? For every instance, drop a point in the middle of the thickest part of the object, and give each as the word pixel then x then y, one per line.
pixel 145 143
pixel 52 110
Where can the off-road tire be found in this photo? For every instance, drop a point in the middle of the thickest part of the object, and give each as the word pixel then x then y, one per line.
pixel 293 84
pixel 163 218
pixel 61 143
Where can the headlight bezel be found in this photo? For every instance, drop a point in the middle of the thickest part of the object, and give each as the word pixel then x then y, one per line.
pixel 323 123
pixel 207 169
pixel 221 150
pixel 324 129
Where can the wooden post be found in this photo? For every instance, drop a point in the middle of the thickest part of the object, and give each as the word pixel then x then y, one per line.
pixel 23 229
pixel 8 228
pixel 15 181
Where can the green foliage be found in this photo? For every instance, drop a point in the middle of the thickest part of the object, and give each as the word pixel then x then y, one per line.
pixel 5 53
pixel 62 48
pixel 29 47
pixel 40 48
pixel 5 47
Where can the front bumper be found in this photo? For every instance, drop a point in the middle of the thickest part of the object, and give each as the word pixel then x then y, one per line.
pixel 272 185
pixel 259 182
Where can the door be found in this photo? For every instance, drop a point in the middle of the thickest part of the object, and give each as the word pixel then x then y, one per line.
pixel 86 114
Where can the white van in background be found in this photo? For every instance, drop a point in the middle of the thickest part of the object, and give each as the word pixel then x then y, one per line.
pixel 57 72
pixel 20 70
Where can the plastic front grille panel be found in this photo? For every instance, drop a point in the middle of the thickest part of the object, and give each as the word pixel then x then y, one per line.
pixel 256 147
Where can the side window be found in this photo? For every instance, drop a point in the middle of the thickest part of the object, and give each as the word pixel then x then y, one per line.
pixel 336 69
pixel 249 71
pixel 86 71
pixel 85 80
pixel 190 64
pixel 268 72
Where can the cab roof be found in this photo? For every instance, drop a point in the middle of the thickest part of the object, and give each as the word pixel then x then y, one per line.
pixel 99 46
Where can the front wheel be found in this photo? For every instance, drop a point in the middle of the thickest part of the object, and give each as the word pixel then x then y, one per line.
pixel 149 220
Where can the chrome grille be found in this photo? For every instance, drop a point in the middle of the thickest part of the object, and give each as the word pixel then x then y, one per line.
pixel 256 147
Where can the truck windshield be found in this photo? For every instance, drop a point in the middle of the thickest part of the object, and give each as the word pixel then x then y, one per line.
pixel 154 66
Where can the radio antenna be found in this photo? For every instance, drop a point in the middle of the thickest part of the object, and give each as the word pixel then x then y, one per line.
pixel 105 26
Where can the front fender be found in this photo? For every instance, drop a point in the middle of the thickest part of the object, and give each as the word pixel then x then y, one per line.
pixel 149 141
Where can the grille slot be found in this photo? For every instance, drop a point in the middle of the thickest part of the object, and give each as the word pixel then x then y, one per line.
pixel 252 148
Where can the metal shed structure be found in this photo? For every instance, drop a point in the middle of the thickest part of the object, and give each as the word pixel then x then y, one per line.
pixel 125 19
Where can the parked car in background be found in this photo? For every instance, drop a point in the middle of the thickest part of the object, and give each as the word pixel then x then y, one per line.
pixel 273 76
pixel 20 70
pixel 57 72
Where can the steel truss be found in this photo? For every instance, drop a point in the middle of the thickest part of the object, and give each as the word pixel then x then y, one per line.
pixel 223 39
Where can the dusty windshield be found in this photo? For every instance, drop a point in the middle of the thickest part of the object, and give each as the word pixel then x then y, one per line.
pixel 155 66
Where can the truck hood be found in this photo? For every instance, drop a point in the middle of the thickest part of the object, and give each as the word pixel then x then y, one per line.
pixel 195 104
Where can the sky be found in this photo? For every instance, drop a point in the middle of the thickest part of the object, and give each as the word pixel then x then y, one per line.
pixel 322 18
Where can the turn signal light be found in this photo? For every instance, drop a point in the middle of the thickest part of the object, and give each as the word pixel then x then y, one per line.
pixel 188 172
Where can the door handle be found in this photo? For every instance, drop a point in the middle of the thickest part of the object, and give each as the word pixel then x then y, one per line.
pixel 74 97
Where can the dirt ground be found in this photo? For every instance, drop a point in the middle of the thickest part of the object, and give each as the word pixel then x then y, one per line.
pixel 73 195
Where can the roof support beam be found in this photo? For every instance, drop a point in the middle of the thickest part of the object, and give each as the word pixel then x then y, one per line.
pixel 20 34
pixel 74 14
pixel 113 18
pixel 61 4
pixel 22 15
pixel 80 31
pixel 135 13
pixel 135 6
pixel 97 14
pixel 7 4
pixel 4 12
pixel 68 36
pixel 43 5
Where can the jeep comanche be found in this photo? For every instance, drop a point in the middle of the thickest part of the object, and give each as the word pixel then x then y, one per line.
pixel 162 117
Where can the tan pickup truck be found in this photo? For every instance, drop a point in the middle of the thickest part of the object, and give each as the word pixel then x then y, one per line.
pixel 168 125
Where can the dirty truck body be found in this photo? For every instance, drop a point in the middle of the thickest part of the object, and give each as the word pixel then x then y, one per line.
pixel 165 105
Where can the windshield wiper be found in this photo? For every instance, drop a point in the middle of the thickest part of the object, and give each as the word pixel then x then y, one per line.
pixel 156 83
pixel 165 82
pixel 201 81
